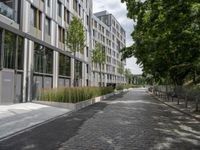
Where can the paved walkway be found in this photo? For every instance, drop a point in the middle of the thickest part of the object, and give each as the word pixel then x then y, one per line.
pixel 17 117
pixel 130 121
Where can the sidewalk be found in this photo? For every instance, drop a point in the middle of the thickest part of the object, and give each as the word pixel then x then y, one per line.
pixel 18 117
pixel 181 107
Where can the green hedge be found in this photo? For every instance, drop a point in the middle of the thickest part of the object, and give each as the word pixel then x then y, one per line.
pixel 125 86
pixel 73 95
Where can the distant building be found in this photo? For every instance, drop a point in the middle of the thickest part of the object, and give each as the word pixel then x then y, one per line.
pixel 107 31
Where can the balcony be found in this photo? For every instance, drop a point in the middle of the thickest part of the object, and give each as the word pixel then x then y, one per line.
pixel 7 9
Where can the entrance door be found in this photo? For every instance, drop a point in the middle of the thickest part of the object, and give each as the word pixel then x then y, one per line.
pixel 7 86
pixel 18 87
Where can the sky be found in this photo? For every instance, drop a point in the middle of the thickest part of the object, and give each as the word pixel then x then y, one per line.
pixel 119 10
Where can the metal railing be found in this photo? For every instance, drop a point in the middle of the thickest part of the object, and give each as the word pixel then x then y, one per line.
pixel 181 94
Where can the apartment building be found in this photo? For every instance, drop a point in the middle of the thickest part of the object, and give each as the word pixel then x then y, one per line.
pixel 107 31
pixel 33 53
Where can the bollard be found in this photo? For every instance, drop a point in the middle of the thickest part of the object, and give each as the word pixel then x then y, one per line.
pixel 178 101
pixel 197 104
pixel 186 102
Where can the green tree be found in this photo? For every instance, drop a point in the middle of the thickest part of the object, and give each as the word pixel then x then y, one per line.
pixel 75 40
pixel 120 68
pixel 128 75
pixel 167 39
pixel 99 57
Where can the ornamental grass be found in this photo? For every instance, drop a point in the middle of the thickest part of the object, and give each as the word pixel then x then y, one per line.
pixel 73 94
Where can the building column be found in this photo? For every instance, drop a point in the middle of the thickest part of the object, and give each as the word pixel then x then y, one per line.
pixel 55 68
pixel 72 71
pixel 30 67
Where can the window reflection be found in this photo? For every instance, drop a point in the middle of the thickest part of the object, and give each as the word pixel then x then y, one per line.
pixel 43 59
pixel 64 65
pixel 20 53
pixel 9 8
pixel 9 50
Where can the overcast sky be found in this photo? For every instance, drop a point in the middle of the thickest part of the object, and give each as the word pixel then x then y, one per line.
pixel 119 11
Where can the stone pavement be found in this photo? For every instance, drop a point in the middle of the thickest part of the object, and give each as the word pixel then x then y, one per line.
pixel 17 117
pixel 129 121
pixel 190 110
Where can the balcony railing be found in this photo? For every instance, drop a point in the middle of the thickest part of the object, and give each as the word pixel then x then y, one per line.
pixel 7 11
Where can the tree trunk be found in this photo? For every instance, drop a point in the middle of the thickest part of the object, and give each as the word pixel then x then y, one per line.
pixel 74 70
pixel 100 76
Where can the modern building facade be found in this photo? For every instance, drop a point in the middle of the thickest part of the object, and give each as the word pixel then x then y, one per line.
pixel 33 52
pixel 108 32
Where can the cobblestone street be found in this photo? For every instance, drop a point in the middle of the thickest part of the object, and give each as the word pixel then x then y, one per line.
pixel 129 121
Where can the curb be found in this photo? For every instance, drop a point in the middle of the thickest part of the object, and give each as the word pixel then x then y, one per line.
pixel 186 113
pixel 34 126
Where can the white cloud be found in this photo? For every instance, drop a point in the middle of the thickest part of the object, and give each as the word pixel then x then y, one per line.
pixel 119 10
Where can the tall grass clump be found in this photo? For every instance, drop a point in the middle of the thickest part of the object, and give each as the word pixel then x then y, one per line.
pixel 125 86
pixel 73 95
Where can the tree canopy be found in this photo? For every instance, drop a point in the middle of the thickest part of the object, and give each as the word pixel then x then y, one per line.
pixel 75 35
pixel 99 57
pixel 166 38
pixel 98 54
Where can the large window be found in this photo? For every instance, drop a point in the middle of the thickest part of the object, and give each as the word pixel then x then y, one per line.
pixel 43 59
pixel 64 65
pixel 61 34
pixel 78 67
pixel 75 5
pixel 10 9
pixel 13 51
pixel 36 18
pixel 59 9
pixel 1 31
pixel 20 53
pixel 48 26
pixel 9 50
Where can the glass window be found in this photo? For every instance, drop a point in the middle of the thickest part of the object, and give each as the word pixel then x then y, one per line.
pixel 38 50
pixel 59 8
pixel 9 8
pixel 75 5
pixel 20 53
pixel 61 34
pixel 48 61
pixel 43 59
pixel 78 66
pixel 0 47
pixel 48 26
pixel 48 3
pixel 36 18
pixel 64 65
pixel 9 50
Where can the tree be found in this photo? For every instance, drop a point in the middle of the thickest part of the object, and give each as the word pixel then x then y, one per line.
pixel 75 39
pixel 120 68
pixel 99 57
pixel 166 36
pixel 128 75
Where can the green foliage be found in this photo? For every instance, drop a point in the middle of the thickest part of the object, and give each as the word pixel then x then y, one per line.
pixel 73 95
pixel 120 68
pixel 125 86
pixel 167 38
pixel 98 54
pixel 75 35
pixel 128 75
pixel 99 57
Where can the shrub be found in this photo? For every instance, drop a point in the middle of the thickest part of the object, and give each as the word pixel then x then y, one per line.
pixel 73 95
pixel 125 86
